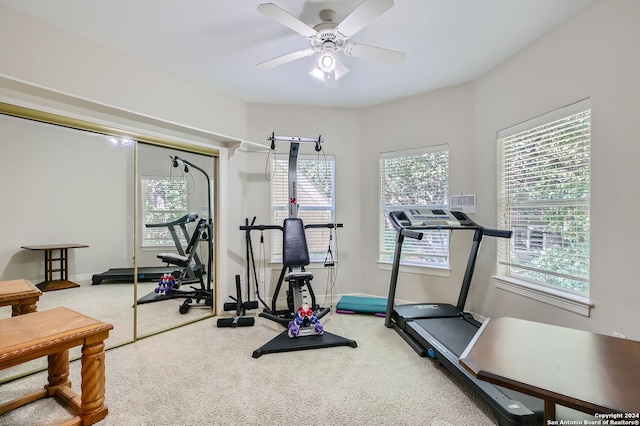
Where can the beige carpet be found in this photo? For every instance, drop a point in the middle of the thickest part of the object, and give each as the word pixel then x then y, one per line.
pixel 204 375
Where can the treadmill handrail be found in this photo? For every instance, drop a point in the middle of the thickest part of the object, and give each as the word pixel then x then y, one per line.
pixel 403 226
pixel 189 217
pixel 498 233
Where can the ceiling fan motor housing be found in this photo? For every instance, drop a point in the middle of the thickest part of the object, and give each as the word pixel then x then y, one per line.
pixel 327 38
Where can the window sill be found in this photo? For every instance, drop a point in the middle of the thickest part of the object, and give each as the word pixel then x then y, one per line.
pixel 569 302
pixel 419 270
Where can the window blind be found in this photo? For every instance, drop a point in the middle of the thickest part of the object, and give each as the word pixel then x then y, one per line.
pixel 414 178
pixel 164 200
pixel 544 197
pixel 315 180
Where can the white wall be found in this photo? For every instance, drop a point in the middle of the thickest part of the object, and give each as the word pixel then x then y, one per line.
pixel 436 118
pixel 593 55
pixel 46 56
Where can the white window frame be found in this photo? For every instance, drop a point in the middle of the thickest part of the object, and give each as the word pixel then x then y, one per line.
pixel 317 238
pixel 514 272
pixel 147 233
pixel 415 254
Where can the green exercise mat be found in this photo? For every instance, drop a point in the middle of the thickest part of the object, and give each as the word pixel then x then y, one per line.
pixel 362 304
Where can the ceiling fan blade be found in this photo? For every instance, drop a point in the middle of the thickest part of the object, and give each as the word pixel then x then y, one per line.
pixel 286 19
pixel 289 57
pixel 364 14
pixel 377 54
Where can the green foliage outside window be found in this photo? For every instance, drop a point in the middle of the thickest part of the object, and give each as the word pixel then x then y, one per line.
pixel 545 190
pixel 419 178
pixel 164 200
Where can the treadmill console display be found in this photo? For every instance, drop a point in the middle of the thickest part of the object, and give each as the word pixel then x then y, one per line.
pixel 423 217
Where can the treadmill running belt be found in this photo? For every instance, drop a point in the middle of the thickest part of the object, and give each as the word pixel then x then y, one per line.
pixel 454 333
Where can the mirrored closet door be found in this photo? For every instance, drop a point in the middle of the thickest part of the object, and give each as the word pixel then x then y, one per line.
pixel 73 183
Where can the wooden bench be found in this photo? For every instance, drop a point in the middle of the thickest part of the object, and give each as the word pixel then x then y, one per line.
pixel 52 333
pixel 21 295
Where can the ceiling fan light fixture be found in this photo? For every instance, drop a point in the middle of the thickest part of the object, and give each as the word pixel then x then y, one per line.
pixel 317 73
pixel 327 62
pixel 340 70
pixel 330 78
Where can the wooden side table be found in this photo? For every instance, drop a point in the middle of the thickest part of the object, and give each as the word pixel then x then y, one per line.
pixel 51 333
pixel 588 372
pixel 21 295
pixel 62 269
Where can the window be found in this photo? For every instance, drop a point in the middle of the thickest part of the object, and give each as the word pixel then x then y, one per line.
pixel 414 178
pixel 316 201
pixel 543 196
pixel 165 199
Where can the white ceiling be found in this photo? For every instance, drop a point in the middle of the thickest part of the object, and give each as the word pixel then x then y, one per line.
pixel 219 42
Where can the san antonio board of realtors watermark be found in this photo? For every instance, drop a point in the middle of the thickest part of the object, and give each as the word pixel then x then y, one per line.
pixel 609 419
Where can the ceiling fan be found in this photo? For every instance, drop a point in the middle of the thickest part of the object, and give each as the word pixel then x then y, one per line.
pixel 329 38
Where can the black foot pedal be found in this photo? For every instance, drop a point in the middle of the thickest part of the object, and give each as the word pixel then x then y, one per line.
pixel 245 322
pixel 225 322
pixel 250 305
pixel 230 306
pixel 236 322
pixel 186 305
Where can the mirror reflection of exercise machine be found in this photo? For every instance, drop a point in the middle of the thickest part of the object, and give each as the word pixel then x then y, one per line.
pixel 153 273
pixel 190 268
pixel 303 314
pixel 442 331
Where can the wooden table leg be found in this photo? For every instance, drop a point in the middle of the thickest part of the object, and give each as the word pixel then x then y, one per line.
pixel 48 265
pixel 25 306
pixel 58 371
pixel 93 382
pixel 64 264
pixel 549 411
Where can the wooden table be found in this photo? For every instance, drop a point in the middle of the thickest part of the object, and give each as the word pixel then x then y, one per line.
pixel 51 333
pixel 62 281
pixel 585 371
pixel 21 295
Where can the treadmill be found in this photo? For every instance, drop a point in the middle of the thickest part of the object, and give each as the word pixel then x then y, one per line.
pixel 442 331
pixel 153 273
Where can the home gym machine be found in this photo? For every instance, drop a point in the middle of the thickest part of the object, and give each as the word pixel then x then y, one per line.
pixel 442 331
pixel 169 287
pixel 153 273
pixel 303 314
